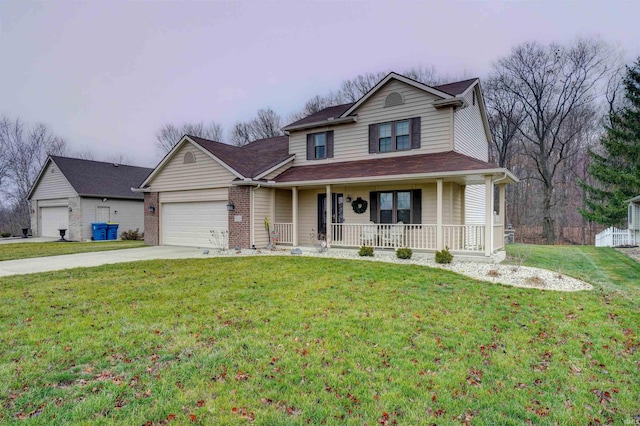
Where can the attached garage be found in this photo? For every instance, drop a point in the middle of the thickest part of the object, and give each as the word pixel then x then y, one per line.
pixel 53 219
pixel 190 223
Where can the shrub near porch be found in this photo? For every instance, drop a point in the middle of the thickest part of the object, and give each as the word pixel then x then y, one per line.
pixel 298 340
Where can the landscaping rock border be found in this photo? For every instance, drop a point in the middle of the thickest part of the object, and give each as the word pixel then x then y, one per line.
pixel 513 275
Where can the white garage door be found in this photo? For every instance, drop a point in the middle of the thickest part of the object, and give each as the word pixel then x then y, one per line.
pixel 190 224
pixel 54 218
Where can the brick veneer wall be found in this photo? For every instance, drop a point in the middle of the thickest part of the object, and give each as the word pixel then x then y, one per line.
pixel 240 232
pixel 151 220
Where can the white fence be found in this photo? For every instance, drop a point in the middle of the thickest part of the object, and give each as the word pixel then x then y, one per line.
pixel 612 237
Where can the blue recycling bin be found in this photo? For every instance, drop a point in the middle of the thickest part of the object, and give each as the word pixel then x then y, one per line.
pixel 99 231
pixel 112 231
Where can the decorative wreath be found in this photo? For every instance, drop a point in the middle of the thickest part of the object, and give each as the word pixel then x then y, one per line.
pixel 359 205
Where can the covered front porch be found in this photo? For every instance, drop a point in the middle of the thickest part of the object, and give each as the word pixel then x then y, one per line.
pixel 457 211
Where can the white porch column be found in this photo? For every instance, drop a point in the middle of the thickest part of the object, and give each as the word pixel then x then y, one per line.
pixel 439 230
pixel 463 208
pixel 294 214
pixel 488 216
pixel 501 189
pixel 328 235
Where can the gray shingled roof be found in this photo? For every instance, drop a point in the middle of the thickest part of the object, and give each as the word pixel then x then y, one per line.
pixel 440 162
pixel 251 159
pixel 323 114
pixel 456 88
pixel 98 179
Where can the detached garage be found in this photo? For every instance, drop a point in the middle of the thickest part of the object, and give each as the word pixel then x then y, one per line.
pixel 71 193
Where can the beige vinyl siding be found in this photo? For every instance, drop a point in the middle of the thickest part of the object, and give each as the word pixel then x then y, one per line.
pixel 283 207
pixel 204 173
pixel 130 214
pixel 261 198
pixel 456 203
pixel 218 194
pixel 474 199
pixel 307 214
pixel 469 134
pixel 351 141
pixel 53 184
pixel 278 171
pixel 308 205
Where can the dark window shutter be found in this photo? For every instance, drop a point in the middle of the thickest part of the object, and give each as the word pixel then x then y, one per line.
pixel 329 141
pixel 415 133
pixel 416 206
pixel 373 138
pixel 373 207
pixel 311 153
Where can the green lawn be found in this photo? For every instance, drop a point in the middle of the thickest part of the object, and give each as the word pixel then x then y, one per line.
pixel 308 340
pixel 54 248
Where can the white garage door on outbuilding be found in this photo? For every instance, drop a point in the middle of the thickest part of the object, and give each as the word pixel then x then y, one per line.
pixel 53 219
pixel 190 224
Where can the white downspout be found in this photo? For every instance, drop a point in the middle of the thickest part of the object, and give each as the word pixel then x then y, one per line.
pixel 252 216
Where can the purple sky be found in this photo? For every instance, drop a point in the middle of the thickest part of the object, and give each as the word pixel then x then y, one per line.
pixel 106 75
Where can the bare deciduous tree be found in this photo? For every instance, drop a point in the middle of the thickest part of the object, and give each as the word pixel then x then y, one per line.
pixel 267 124
pixel 169 135
pixel 24 151
pixel 241 134
pixel 354 89
pixel 553 85
pixel 505 116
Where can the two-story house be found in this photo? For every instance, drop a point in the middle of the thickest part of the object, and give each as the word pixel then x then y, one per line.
pixel 404 166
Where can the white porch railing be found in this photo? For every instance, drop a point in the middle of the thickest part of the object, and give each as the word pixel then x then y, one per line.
pixel 420 237
pixel 285 232
pixel 464 237
pixel 612 237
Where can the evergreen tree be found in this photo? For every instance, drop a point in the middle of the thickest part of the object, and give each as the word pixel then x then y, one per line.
pixel 617 170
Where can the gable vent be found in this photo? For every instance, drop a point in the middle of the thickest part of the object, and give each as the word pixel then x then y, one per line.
pixel 393 99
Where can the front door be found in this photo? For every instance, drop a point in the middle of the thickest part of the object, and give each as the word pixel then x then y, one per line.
pixel 337 214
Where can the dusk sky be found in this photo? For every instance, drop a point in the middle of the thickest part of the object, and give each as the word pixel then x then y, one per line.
pixel 106 75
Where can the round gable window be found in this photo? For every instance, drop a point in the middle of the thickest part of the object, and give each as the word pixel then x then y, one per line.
pixel 189 157
pixel 393 99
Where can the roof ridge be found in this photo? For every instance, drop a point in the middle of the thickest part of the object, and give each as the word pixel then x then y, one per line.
pixel 97 161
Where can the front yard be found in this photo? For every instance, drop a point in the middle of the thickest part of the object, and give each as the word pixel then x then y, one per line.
pixel 270 340
pixel 54 248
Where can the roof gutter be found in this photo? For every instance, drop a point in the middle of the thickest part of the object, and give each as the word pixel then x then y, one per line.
pixel 330 121
pixel 419 176
pixel 457 102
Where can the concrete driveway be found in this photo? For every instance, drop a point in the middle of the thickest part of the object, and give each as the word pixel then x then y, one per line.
pixel 27 240
pixel 80 260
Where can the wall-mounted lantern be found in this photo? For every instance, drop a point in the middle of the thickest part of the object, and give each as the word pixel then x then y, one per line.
pixel 230 206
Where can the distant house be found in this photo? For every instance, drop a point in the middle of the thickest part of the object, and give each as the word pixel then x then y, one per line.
pixel 71 193
pixel 407 165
